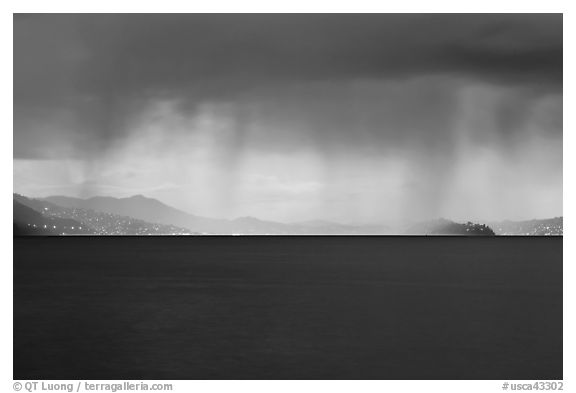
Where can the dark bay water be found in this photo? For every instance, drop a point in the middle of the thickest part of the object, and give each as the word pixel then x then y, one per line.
pixel 287 307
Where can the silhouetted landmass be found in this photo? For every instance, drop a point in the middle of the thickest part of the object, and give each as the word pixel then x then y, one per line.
pixel 99 223
pixel 137 206
pixel 546 227
pixel 139 215
pixel 152 210
pixel 147 209
pixel 28 221
pixel 447 227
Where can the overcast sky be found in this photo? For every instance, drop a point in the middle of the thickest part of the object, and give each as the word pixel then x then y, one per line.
pixel 349 117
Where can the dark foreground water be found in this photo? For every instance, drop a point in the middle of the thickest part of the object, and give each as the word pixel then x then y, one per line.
pixel 287 307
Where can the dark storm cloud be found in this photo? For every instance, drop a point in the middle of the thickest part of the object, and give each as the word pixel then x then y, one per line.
pixel 81 77
pixel 138 54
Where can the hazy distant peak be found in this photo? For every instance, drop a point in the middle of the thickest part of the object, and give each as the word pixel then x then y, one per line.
pixel 248 219
pixel 318 223
pixel 139 196
pixel 101 198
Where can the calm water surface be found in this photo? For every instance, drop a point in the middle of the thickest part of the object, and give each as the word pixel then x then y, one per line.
pixel 287 307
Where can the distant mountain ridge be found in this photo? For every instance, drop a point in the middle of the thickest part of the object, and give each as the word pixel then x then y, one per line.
pixel 137 206
pixel 540 227
pixel 152 210
pixel 142 215
pixel 147 209
pixel 93 221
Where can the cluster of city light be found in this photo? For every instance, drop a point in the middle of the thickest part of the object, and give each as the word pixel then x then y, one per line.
pixel 111 224
pixel 64 229
pixel 536 229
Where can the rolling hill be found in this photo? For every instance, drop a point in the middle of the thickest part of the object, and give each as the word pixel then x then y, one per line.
pixel 97 222
pixel 27 221
pixel 152 210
